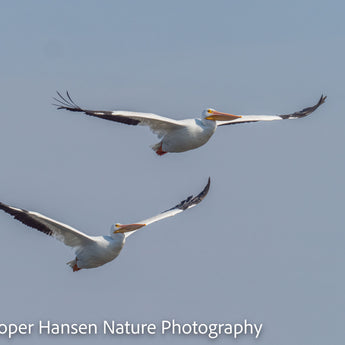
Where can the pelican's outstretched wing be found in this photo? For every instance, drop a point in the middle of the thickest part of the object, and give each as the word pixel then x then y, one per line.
pixel 255 118
pixel 190 202
pixel 64 233
pixel 158 124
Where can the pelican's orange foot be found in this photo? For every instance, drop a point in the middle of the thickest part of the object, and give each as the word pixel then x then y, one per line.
pixel 76 268
pixel 160 152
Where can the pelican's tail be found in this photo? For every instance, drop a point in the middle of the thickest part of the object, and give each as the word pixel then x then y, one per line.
pixel 72 263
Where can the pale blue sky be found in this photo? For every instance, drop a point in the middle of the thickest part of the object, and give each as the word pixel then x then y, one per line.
pixel 267 244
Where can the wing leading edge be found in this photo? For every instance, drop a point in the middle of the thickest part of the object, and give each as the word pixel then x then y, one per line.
pixel 255 118
pixel 158 124
pixel 64 233
pixel 189 202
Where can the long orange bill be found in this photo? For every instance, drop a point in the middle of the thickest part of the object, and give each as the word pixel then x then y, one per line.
pixel 121 228
pixel 218 116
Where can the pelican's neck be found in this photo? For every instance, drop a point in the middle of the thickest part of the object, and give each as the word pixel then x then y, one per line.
pixel 120 237
pixel 209 123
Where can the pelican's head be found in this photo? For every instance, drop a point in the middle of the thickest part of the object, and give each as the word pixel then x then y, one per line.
pixel 118 237
pixel 214 115
pixel 113 229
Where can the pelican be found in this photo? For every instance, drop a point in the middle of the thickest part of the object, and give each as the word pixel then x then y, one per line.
pixel 95 251
pixel 180 135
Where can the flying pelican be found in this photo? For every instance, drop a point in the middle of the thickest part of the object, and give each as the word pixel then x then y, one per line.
pixel 180 135
pixel 94 251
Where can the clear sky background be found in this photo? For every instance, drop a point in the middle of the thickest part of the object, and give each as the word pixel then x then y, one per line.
pixel 267 244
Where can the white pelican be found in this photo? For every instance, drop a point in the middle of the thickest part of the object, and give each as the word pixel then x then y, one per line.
pixel 180 135
pixel 94 251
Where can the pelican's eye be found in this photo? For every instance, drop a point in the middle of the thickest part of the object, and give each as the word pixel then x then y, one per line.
pixel 209 111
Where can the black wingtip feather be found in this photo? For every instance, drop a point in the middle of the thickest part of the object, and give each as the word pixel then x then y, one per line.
pixel 67 103
pixel 306 111
pixel 25 217
pixel 192 201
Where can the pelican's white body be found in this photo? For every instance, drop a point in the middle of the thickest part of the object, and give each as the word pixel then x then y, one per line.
pixel 192 134
pixel 103 249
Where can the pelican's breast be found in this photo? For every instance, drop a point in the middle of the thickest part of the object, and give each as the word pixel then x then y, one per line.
pixel 103 250
pixel 195 133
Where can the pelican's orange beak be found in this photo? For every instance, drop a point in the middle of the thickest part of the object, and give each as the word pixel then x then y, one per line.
pixel 121 228
pixel 218 116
